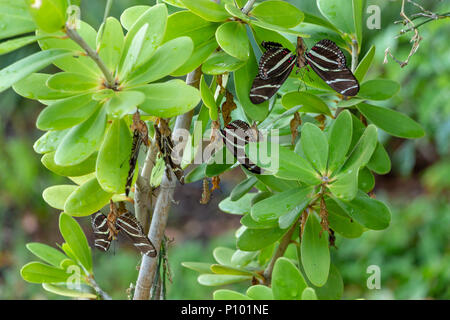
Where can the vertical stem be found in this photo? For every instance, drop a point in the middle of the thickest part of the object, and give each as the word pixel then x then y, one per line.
pixel 248 6
pixel 354 55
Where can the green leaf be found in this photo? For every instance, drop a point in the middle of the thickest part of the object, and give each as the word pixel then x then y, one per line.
pixel 365 63
pixel 75 238
pixel 208 10
pixel 201 267
pixel 315 146
pixel 256 239
pixel 279 13
pixel 48 15
pixel 341 222
pixel 287 281
pixel 131 15
pixel 276 28
pixel 366 180
pixel 124 102
pixel 219 162
pixel 130 62
pixel 242 258
pixel 46 253
pixel 232 38
pixel 262 34
pixel 167 58
pixel 87 199
pixel 169 99
pixel 339 140
pixel 34 87
pixel 260 292
pixel 175 3
pixel 378 89
pixel 16 16
pixel 212 280
pixel 208 99
pixel 277 184
pixel 113 158
pixel 196 174
pixel 236 12
pixel 250 223
pixel 242 188
pixel 315 255
pixel 82 140
pixel 37 272
pixel 156 19
pixel 220 269
pixel 240 206
pixel 282 203
pixel 72 82
pixel 63 290
pixel 22 68
pixel 81 169
pixel 345 186
pixel 363 151
pixel 111 43
pixel 380 162
pixel 17 43
pixel 309 102
pixel 56 196
pixel 338 12
pixel 369 212
pixel 312 19
pixel 67 113
pixel 225 294
pixel 309 294
pixel 223 255
pixel 393 122
pixel 220 62
pixel 334 288
pixel 358 6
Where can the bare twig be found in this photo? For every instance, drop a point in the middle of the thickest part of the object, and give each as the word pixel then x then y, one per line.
pixel 248 6
pixel 75 36
pixel 102 294
pixel 354 55
pixel 165 197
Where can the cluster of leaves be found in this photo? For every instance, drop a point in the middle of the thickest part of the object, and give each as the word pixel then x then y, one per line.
pixel 322 180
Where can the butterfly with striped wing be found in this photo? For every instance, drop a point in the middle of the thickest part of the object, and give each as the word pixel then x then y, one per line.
pixel 106 229
pixel 325 59
pixel 236 135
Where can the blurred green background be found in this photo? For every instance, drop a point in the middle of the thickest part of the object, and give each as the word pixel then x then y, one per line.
pixel 413 253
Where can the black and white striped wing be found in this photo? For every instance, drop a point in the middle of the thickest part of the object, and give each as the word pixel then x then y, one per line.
pixel 99 224
pixel 235 136
pixel 137 142
pixel 328 61
pixel 129 224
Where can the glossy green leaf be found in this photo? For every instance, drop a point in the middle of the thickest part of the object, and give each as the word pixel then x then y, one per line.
pixel 16 16
pixel 287 281
pixel 242 188
pixel 220 161
pixel 363 151
pixel 56 196
pixel 277 28
pixel 17 43
pixel 369 212
pixel 243 79
pixel 87 199
pixel 213 280
pixel 236 12
pixel 72 82
pixel 75 238
pixel 24 67
pixel 34 87
pixel 378 89
pixel 208 10
pixel 315 254
pixel 262 34
pixel 260 292
pixel 365 63
pixel 309 294
pixel 37 272
pixel 240 206
pixel 132 14
pixel 380 162
pixel 196 174
pixel 67 113
pixel 208 99
pixel 80 169
pixel 282 203
pixel 366 180
pixel 201 267
pixel 242 258
pixel 113 158
pixel 46 253
pixel 309 102
pixel 232 38
pixel 169 99
pixel 123 103
pixel 315 146
pixel 339 140
pixel 63 290
pixel 393 122
pixel 338 12
pixel 346 184
pixel 220 269
pixel 341 222
pixel 315 20
pixel 176 3
pixel 223 255
pixel 279 13
pixel 111 43
pixel 334 288
pixel 221 62
pixel 225 294
pixel 277 184
pixel 49 141
pixel 130 62
pixel 358 7
pixel 256 239
pixel 48 15
pixel 82 140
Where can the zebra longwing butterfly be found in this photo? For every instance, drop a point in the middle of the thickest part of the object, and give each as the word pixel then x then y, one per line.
pixel 236 135
pixel 106 229
pixel 325 58
pixel 165 146
pixel 140 135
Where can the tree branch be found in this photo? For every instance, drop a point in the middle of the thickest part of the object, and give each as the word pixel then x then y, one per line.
pixel 354 55
pixel 75 36
pixel 248 6
pixel 165 197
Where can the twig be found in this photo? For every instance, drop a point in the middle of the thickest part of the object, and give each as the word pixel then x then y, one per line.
pixel 278 253
pixel 97 289
pixel 159 220
pixel 74 35
pixel 248 6
pixel 354 55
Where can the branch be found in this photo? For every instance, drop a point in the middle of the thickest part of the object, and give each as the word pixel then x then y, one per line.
pixel 159 220
pixel 248 6
pixel 97 289
pixel 75 36
pixel 354 55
